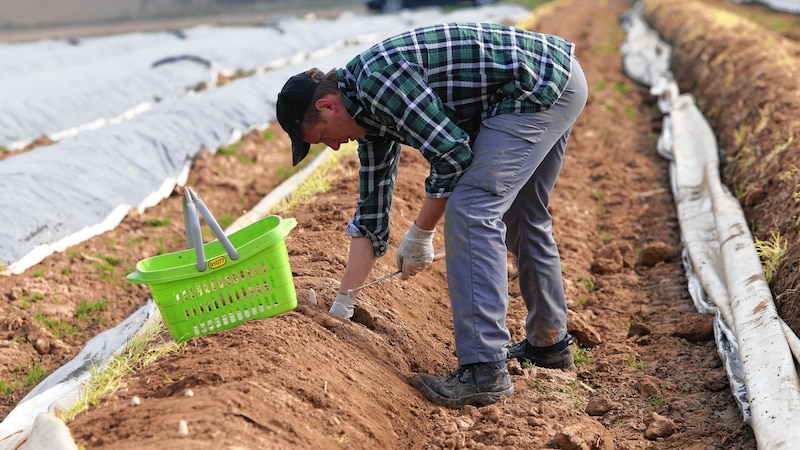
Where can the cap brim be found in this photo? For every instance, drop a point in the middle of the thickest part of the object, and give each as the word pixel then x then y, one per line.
pixel 299 148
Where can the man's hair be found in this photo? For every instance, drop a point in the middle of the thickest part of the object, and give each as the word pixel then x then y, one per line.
pixel 329 84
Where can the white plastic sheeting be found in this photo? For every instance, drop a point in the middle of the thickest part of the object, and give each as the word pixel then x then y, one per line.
pixel 76 182
pixel 61 389
pixel 82 186
pixel 109 80
pixel 725 273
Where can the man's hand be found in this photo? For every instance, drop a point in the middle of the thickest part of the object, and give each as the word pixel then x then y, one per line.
pixel 415 253
pixel 343 307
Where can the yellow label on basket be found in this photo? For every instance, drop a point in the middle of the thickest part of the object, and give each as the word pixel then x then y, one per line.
pixel 217 262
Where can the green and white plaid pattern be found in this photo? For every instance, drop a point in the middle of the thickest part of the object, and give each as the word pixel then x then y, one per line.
pixel 431 88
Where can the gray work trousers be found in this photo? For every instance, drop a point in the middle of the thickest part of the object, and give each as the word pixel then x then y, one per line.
pixel 500 205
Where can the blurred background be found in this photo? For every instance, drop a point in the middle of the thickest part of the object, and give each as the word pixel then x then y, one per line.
pixel 35 19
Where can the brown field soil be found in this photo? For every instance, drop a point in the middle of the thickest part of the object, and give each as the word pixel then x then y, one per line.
pixel 648 375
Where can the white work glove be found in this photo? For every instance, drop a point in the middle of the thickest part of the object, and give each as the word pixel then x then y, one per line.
pixel 343 307
pixel 415 253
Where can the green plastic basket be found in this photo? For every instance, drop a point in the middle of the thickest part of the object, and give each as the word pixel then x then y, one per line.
pixel 228 292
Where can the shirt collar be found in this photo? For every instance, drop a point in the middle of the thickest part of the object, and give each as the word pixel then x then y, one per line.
pixel 354 107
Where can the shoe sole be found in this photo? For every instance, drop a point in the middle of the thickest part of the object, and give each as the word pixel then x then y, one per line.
pixel 479 399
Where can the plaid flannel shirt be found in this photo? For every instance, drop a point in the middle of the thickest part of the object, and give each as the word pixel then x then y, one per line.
pixel 431 88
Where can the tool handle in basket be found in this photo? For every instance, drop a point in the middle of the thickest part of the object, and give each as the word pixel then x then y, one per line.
pixel 192 204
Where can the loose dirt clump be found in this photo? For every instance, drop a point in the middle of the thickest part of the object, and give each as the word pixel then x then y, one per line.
pixel 648 375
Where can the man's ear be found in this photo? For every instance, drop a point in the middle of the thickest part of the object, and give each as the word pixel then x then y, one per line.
pixel 324 103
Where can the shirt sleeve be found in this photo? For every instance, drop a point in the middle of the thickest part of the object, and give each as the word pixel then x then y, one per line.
pixel 398 94
pixel 379 159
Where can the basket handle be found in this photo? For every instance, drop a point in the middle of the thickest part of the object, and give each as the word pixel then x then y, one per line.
pixel 191 221
pixel 191 205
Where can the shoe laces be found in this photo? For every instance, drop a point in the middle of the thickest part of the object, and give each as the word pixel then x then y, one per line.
pixel 463 374
pixel 515 347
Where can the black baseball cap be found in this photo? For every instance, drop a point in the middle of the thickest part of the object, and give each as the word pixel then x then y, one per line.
pixel 293 101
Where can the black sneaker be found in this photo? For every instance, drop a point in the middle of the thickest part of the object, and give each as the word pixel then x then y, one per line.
pixel 556 356
pixel 472 384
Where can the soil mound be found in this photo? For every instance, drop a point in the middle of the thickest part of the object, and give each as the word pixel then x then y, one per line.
pixel 648 375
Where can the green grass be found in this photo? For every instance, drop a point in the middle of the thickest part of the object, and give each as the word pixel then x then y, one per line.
pixel 604 48
pixel 771 252
pixel 777 25
pixel 89 312
pixel 226 220
pixel 33 298
pixel 316 183
pixel 140 351
pixel 536 384
pixel 59 328
pixel 106 265
pixel 158 222
pixel 230 150
pixel 284 173
pixel 631 113
pixel 35 375
pixel 656 401
pixel 635 361
pixel 600 198
pixel 770 20
pixel 233 150
pixel 580 355
pixel 600 86
pixel 526 364
pixel 789 174
pixel 112 261
pixel 6 388
pixel 530 4
pixel 622 88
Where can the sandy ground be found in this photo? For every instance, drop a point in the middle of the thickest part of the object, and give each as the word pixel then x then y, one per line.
pixel 648 375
